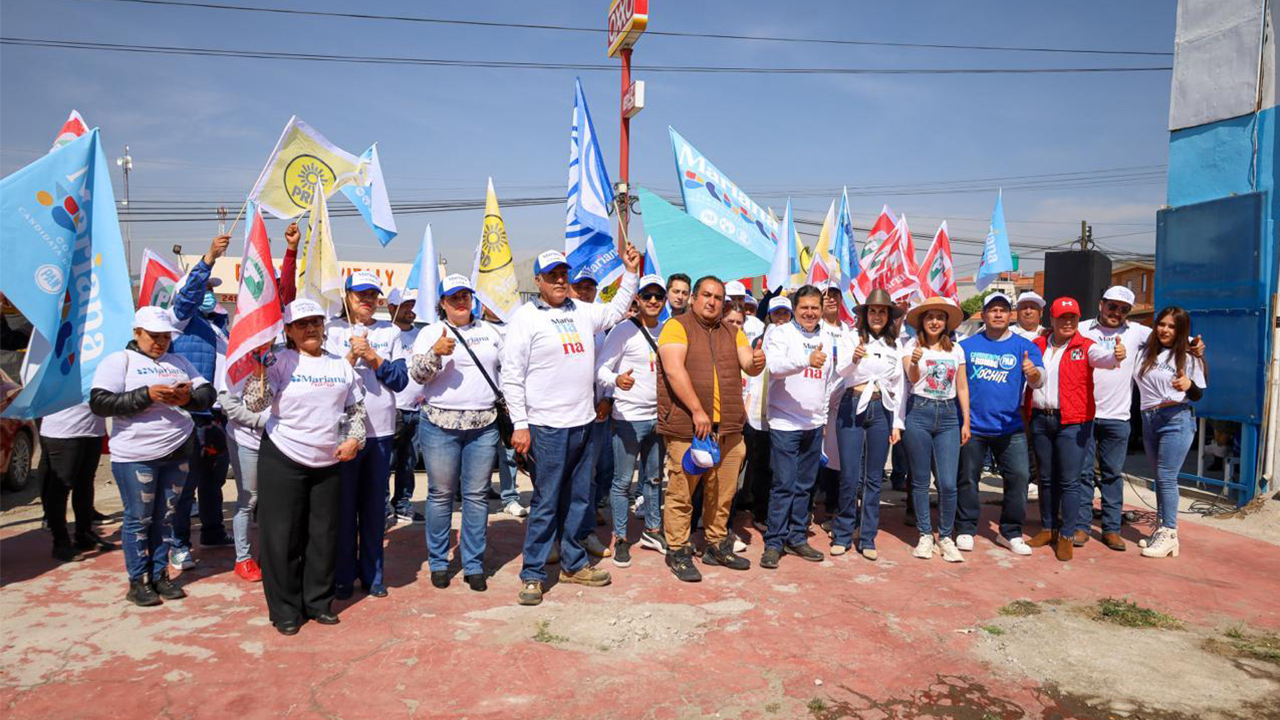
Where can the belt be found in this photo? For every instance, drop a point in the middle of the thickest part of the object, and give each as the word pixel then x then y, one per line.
pixel 1050 413
pixel 851 392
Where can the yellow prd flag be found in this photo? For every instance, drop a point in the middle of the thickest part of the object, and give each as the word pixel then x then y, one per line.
pixel 825 237
pixel 302 158
pixel 319 278
pixel 494 275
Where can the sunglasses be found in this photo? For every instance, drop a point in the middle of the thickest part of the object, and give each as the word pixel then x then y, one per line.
pixel 1117 308
pixel 652 295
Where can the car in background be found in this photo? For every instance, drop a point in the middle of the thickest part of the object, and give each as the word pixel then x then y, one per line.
pixel 17 440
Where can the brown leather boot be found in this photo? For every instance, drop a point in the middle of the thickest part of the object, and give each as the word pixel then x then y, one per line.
pixel 1113 541
pixel 1063 548
pixel 1042 538
pixel 1080 538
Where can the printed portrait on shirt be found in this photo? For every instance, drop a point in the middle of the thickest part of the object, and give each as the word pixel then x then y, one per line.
pixel 939 376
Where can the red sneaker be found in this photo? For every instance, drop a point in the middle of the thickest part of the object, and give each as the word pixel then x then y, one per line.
pixel 249 570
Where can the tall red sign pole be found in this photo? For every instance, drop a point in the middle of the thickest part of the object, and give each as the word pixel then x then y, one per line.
pixel 627 20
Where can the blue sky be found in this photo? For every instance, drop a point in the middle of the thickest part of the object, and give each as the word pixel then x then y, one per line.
pixel 201 128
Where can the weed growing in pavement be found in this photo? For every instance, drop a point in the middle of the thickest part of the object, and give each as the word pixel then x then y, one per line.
pixel 1130 614
pixel 816 706
pixel 773 708
pixel 1262 646
pixel 1020 608
pixel 993 630
pixel 544 636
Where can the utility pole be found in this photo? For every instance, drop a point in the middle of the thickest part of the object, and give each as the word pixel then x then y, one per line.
pixel 126 164
pixel 626 21
pixel 1086 235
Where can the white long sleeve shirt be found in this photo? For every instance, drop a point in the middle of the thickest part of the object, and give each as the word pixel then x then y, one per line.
pixel 1112 387
pixel 411 396
pixel 880 371
pixel 379 400
pixel 798 394
pixel 549 358
pixel 625 348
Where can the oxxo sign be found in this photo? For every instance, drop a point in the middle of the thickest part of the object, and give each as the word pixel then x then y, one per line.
pixel 627 19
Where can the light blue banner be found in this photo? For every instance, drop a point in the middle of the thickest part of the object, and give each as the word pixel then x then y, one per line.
pixel 64 269
pixel 996 257
pixel 719 203
pixel 588 231
pixel 690 247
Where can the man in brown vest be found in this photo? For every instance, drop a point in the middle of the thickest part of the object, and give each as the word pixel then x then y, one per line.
pixel 700 394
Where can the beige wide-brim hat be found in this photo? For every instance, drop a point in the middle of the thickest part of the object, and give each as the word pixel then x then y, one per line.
pixel 954 314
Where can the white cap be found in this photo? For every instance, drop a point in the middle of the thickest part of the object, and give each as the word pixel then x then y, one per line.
pixel 733 288
pixel 1119 293
pixel 302 308
pixel 997 295
pixel 155 319
pixel 454 283
pixel 364 280
pixel 1031 296
pixel 549 260
pixel 398 296
pixel 652 279
pixel 779 302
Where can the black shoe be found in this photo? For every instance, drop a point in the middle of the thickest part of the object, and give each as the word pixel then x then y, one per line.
pixel 166 589
pixel 342 592
pixel 66 553
pixel 288 628
pixel 724 556
pixel 223 541
pixel 621 553
pixel 440 578
pixel 492 494
pixel 93 542
pixel 654 540
pixel 99 519
pixel 324 618
pixel 477 582
pixel 681 564
pixel 378 591
pixel 770 558
pixel 142 594
pixel 805 551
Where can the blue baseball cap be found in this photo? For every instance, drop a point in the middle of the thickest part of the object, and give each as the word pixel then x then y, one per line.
pixel 548 261
pixel 455 283
pixel 583 274
pixel 363 280
pixel 702 455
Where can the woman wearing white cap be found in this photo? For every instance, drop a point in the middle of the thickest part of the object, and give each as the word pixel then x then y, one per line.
pixel 930 425
pixel 150 392
pixel 456 360
pixel 316 421
pixel 373 348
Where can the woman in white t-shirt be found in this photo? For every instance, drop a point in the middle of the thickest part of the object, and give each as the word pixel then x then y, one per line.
pixel 458 429
pixel 317 421
pixel 1168 376
pixel 931 426
pixel 149 391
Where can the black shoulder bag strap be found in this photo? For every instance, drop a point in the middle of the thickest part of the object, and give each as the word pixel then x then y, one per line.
pixel 645 331
pixel 497 393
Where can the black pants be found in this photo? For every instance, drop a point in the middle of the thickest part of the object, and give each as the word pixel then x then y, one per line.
pixel 759 473
pixel 297 534
pixel 68 466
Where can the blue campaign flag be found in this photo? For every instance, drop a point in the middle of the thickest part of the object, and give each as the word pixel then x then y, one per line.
pixel 62 245
pixel 424 277
pixel 996 257
pixel 845 250
pixel 719 203
pixel 588 232
pixel 651 266
pixel 370 198
pixel 688 246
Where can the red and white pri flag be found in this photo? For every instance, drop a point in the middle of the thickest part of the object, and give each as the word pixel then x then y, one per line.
pixel 258 316
pixel 937 274
pixel 159 281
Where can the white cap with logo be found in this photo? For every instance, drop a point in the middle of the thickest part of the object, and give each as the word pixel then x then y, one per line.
pixel 302 308
pixel 1119 293
pixel 155 319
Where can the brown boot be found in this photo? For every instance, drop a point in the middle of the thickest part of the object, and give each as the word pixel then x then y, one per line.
pixel 1042 538
pixel 1080 538
pixel 1113 541
pixel 1063 549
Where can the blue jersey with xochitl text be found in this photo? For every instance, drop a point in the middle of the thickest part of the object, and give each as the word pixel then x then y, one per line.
pixel 996 382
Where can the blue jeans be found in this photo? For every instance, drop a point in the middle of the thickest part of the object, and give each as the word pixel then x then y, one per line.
pixel 1010 452
pixel 362 514
pixel 150 492
pixel 453 457
pixel 563 463
pixel 1110 442
pixel 244 463
pixel 506 459
pixel 932 437
pixel 1060 452
pixel 795 455
pixel 207 475
pixel 601 474
pixel 1167 434
pixel 860 485
pixel 632 440
pixel 404 462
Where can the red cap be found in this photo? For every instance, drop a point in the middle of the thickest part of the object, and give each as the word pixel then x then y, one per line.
pixel 1064 305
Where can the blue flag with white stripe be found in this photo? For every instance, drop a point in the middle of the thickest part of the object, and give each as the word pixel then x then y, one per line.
pixel 588 232
pixel 424 277
pixel 370 198
pixel 996 257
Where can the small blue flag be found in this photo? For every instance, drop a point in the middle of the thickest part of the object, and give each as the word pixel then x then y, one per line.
pixel 424 277
pixel 996 257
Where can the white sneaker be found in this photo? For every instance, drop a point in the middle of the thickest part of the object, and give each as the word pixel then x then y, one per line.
pixel 515 509
pixel 1163 544
pixel 964 542
pixel 949 551
pixel 638 505
pixel 738 545
pixel 924 547
pixel 1017 545
pixel 181 559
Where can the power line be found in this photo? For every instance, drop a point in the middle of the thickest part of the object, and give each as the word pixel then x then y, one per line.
pixel 530 65
pixel 651 33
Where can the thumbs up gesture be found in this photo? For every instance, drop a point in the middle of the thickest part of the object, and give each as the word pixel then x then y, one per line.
pixel 1027 365
pixel 1197 347
pixel 1181 382
pixel 625 381
pixel 1121 353
pixel 817 358
pixel 757 359
pixel 859 353
pixel 444 346
pixel 917 354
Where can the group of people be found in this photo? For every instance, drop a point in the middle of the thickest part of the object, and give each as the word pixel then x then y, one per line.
pixel 736 404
